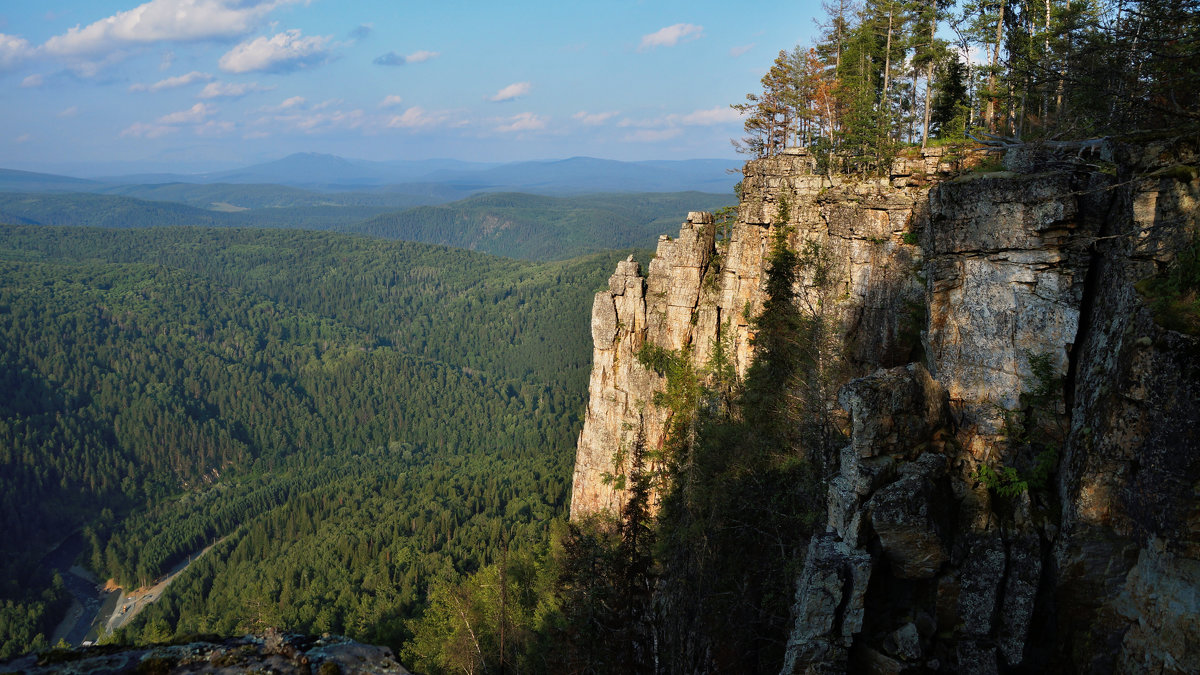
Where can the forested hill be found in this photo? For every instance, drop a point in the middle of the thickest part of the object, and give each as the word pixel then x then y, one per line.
pixel 516 225
pixel 534 227
pixel 354 416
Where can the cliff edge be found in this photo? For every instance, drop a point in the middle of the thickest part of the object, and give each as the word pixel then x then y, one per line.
pixel 1017 483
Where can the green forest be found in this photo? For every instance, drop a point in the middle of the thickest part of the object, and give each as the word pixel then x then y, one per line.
pixel 517 225
pixel 886 74
pixel 350 418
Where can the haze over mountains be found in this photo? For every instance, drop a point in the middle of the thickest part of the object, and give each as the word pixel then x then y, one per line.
pixel 316 171
pixel 532 210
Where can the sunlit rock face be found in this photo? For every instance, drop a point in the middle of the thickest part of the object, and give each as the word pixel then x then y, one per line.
pixel 946 286
pixel 707 283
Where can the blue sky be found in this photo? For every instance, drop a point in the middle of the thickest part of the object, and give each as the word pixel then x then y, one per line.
pixel 201 84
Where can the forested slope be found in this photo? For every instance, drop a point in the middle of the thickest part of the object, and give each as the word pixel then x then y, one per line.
pixel 515 225
pixel 354 416
pixel 535 227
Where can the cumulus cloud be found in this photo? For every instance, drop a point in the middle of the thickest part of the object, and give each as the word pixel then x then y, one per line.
pixel 193 115
pixel 525 121
pixel 197 117
pixel 420 56
pixel 415 118
pixel 738 51
pixel 13 50
pixel 394 59
pixel 593 119
pixel 291 102
pixel 173 82
pixel 69 112
pixel 32 81
pixel 318 122
pixel 229 89
pixel 288 50
pixel 511 91
pixel 163 21
pixel 671 36
pixel 390 101
pixel 362 32
pixel 711 116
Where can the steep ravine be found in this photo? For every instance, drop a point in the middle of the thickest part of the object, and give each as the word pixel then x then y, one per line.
pixel 963 300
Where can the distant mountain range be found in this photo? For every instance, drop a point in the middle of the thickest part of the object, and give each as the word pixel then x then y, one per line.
pixel 532 210
pixel 576 175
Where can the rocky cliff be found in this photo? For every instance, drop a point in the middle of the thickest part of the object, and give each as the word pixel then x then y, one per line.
pixel 1018 488
pixel 272 652
pixel 701 287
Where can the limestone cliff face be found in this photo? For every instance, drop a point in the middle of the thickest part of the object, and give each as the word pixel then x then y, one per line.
pixel 947 290
pixel 700 287
pixel 1096 574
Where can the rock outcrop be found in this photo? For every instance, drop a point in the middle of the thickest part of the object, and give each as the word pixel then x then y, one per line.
pixel 704 286
pixel 273 652
pixel 959 301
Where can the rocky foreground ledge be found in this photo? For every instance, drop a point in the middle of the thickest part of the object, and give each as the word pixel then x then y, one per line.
pixel 270 653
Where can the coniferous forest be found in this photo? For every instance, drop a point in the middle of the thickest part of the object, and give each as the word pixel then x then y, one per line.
pixel 351 419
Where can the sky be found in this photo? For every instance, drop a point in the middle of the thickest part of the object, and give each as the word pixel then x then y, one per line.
pixel 93 86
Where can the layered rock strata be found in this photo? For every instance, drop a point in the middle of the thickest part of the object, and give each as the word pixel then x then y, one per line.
pixel 1094 572
pixel 705 285
pixel 990 281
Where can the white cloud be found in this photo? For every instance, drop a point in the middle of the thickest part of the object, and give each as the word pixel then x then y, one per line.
pixel 338 119
pixel 23 138
pixel 69 112
pixel 173 82
pixel 283 51
pixel 33 81
pixel 671 36
pixel 738 51
pixel 390 101
pixel 974 55
pixel 193 115
pixel 420 56
pixel 229 89
pixel 293 102
pixel 525 121
pixel 416 117
pixel 13 50
pixel 653 135
pixel 511 91
pixel 168 58
pixel 711 116
pixel 143 130
pixel 394 59
pixel 164 20
pixel 593 119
